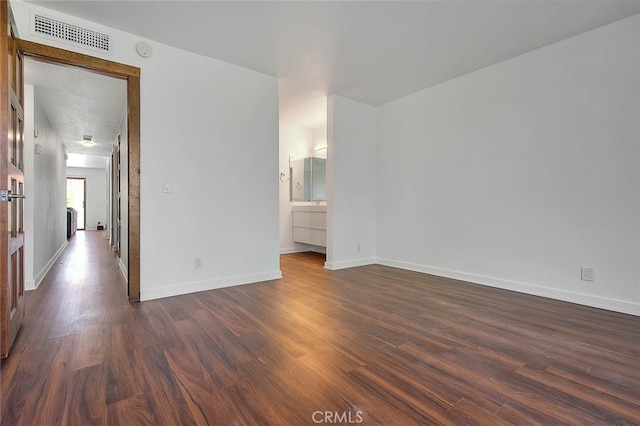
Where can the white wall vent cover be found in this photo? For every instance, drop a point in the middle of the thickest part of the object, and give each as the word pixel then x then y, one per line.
pixel 54 29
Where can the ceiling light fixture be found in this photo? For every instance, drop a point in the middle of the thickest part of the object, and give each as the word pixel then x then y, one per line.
pixel 88 141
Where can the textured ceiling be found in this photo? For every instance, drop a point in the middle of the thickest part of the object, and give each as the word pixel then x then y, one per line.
pixel 369 51
pixel 79 103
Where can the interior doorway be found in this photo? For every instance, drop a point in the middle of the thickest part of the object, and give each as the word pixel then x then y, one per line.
pixel 131 75
pixel 77 199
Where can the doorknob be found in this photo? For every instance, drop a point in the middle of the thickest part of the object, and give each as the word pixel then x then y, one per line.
pixel 6 195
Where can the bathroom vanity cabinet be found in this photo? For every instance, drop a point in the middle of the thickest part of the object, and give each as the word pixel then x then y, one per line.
pixel 310 225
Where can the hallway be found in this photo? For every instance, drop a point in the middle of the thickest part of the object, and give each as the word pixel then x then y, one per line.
pixel 56 361
pixel 81 297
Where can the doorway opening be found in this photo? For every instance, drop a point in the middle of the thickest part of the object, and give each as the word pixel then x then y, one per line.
pixel 303 173
pixel 131 120
pixel 77 199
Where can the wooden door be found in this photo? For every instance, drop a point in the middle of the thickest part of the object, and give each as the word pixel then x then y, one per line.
pixel 11 179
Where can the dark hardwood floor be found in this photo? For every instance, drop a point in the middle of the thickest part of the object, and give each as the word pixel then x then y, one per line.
pixel 369 345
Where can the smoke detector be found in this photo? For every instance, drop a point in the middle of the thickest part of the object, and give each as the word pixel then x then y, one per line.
pixel 144 49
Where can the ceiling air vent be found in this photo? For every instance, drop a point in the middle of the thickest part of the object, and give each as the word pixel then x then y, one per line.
pixel 65 32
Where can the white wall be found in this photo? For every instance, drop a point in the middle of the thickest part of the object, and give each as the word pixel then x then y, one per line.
pixel 210 129
pixel 45 187
pixel 29 159
pixel 351 194
pixel 516 175
pixel 124 199
pixel 96 194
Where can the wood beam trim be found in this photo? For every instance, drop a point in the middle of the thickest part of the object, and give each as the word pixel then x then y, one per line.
pixel 133 143
pixel 66 57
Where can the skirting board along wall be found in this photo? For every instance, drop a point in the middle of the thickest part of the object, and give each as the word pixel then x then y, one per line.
pixel 123 270
pixel 33 284
pixel 302 249
pixel 193 287
pixel 527 288
pixel 334 266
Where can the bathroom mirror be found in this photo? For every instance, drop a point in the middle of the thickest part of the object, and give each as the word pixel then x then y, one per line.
pixel 308 180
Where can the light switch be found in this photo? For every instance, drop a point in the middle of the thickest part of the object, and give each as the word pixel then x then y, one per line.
pixel 166 186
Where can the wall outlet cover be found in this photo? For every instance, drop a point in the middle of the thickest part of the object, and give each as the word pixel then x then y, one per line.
pixel 586 273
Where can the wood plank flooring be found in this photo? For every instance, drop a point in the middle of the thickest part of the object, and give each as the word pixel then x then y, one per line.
pixel 371 345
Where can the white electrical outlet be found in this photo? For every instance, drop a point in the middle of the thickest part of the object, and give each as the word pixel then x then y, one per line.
pixel 586 273
pixel 358 247
pixel 198 263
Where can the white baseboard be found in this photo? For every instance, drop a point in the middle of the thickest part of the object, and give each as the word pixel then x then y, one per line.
pixel 301 248
pixel 292 250
pixel 29 285
pixel 35 283
pixel 123 269
pixel 334 266
pixel 566 296
pixel 193 287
